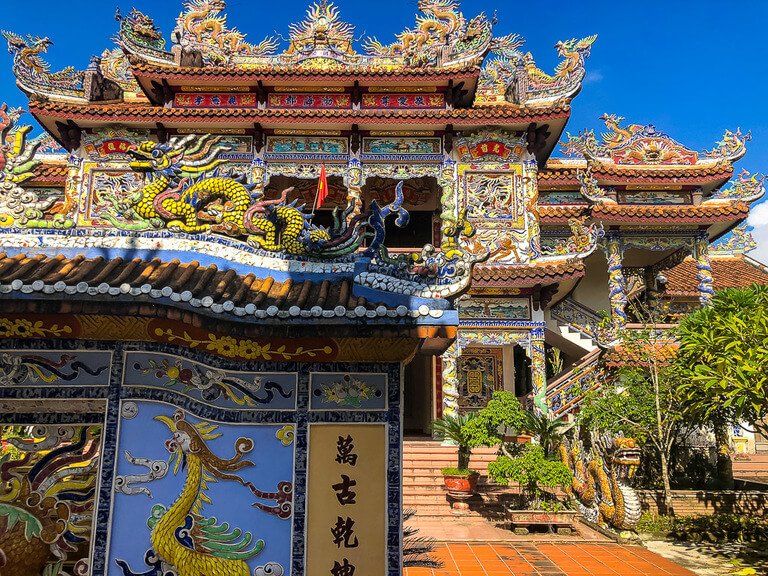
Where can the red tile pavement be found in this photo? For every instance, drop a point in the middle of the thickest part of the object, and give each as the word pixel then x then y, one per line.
pixel 567 559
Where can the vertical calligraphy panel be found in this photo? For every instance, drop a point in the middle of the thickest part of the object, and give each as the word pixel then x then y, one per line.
pixel 347 500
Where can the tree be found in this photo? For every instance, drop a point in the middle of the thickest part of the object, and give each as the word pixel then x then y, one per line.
pixel 723 358
pixel 640 398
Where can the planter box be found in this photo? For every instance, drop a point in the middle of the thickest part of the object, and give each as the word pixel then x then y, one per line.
pixel 562 522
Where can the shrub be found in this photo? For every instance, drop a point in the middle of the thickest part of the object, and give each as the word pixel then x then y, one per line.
pixel 660 526
pixel 533 471
pixel 721 528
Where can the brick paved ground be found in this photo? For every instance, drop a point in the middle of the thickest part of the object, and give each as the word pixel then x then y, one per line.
pixel 567 559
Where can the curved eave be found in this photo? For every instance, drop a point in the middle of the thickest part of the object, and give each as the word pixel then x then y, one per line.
pixel 533 276
pixel 205 290
pixel 708 175
pixel 93 115
pixel 702 214
pixel 560 213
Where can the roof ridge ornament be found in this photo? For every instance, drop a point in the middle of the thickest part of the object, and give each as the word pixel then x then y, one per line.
pixel 512 77
pixel 740 241
pixel 33 74
pixel 442 37
pixel 202 28
pixel 644 144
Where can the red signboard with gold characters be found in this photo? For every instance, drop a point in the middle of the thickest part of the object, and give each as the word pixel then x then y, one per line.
pixel 403 101
pixel 215 100
pixel 310 101
pixel 489 148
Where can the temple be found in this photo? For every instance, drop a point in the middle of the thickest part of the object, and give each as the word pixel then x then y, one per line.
pixel 219 242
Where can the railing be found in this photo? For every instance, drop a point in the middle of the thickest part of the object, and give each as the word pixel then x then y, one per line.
pixel 565 391
pixel 581 318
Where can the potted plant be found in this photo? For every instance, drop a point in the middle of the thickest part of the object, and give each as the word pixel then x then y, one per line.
pixel 461 482
pixel 535 473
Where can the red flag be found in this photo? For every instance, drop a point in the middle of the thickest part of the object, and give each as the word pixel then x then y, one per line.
pixel 322 188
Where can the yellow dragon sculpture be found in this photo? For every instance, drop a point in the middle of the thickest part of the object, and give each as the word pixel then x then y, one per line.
pixel 184 192
pixel 204 21
pixel 574 51
pixel 440 27
pixel 600 480
pixel 180 536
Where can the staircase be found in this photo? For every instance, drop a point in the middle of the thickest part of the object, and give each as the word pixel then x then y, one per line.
pixel 566 390
pixel 423 489
pixel 573 324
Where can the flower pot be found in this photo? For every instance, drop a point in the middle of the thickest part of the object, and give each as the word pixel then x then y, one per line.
pixel 562 521
pixel 519 439
pixel 461 485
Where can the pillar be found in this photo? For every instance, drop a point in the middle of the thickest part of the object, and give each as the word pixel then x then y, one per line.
pixel 538 358
pixel 448 182
pixel 355 182
pixel 450 381
pixel 614 253
pixel 704 269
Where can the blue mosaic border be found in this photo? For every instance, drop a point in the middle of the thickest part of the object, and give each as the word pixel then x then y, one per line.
pixel 301 417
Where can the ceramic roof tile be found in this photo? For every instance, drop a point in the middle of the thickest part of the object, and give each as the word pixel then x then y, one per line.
pixel 736 271
pixel 252 73
pixel 201 282
pixel 680 214
pixel 134 112
pixel 486 276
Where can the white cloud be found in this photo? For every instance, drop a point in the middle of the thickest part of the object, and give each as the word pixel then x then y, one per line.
pixel 593 77
pixel 758 219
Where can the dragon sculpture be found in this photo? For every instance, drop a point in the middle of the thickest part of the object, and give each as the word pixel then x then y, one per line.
pixel 202 26
pixel 181 537
pixel 442 34
pixel 600 480
pixel 18 206
pixel 514 77
pixel 185 194
pixel 34 74
pixel 47 499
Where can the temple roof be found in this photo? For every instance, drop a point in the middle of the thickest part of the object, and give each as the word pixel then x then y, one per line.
pixel 458 55
pixel 737 271
pixel 731 267
pixel 89 115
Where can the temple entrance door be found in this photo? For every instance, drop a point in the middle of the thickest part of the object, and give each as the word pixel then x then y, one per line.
pixel 418 396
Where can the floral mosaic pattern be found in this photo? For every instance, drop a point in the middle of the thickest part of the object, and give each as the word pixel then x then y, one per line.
pixel 348 391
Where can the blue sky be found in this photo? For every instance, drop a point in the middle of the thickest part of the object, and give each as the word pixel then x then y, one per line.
pixel 691 68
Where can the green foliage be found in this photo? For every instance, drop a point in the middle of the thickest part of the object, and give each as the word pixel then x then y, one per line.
pixel 503 415
pixel 721 528
pixel 718 528
pixel 627 403
pixel 454 428
pixel 461 472
pixel 659 526
pixel 532 470
pixel 723 357
pixel 548 432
